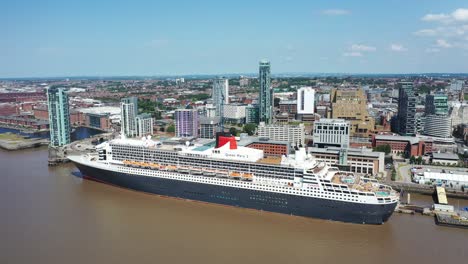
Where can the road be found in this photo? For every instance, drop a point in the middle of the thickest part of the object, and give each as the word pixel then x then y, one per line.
pixel 403 171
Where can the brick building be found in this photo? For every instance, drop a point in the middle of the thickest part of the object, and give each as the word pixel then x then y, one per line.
pixel 22 97
pixel 40 112
pixel 24 121
pixel 95 120
pixel 411 146
pixel 7 109
pixel 289 107
pixel 269 147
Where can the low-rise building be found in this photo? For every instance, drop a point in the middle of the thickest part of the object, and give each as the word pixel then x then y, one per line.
pixel 269 147
pixel 455 179
pixel 23 121
pixel 7 109
pixel 294 134
pixel 360 160
pixel 445 158
pixel 99 121
pixel 411 146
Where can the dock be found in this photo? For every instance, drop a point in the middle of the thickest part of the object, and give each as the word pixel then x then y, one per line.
pixel 452 220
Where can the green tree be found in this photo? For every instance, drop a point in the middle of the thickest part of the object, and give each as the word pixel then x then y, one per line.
pixel 412 159
pixel 419 160
pixel 233 131
pixel 171 128
pixel 250 129
pixel 383 148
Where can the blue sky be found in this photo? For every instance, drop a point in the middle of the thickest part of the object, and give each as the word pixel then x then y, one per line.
pixel 142 37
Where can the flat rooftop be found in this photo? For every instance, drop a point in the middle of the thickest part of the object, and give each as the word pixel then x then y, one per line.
pixel 412 140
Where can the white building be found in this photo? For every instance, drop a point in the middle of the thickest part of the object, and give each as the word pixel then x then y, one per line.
pixel 438 126
pixel 456 85
pixel 360 160
pixel 295 135
pixel 331 132
pixel 305 100
pixel 128 112
pixel 210 110
pixel 459 114
pixel 220 94
pixel 455 180
pixel 144 125
pixel 234 113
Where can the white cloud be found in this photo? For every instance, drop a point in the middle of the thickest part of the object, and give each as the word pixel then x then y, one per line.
pixel 360 47
pixel 442 43
pixel 436 17
pixel 336 12
pixel 352 54
pixel 426 32
pixel 461 14
pixel 432 50
pixel 398 47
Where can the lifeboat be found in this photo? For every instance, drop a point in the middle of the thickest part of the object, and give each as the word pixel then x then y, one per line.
pixel 209 172
pixel 221 173
pixel 126 162
pixel 171 168
pixel 235 175
pixel 247 176
pixel 183 169
pixel 196 171
pixel 154 166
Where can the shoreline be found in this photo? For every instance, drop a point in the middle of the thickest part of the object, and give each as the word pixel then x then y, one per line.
pixel 12 145
pixel 21 129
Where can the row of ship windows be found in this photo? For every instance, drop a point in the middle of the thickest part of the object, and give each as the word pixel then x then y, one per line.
pixel 265 187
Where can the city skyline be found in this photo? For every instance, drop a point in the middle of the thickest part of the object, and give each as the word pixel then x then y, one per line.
pixel 148 39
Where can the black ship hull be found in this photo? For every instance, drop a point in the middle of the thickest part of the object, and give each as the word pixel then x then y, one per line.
pixel 260 200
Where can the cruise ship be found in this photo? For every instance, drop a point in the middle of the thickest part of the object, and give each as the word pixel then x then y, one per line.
pixel 228 174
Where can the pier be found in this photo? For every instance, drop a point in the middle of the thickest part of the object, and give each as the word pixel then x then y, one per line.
pixel 425 189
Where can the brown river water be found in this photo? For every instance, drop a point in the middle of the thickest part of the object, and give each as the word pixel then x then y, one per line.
pixel 51 215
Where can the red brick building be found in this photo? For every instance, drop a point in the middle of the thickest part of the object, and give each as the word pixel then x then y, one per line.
pixel 289 107
pixel 412 146
pixel 99 121
pixel 77 118
pixel 23 97
pixel 7 109
pixel 40 112
pixel 24 122
pixel 271 148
